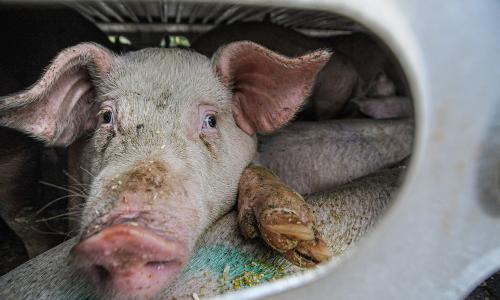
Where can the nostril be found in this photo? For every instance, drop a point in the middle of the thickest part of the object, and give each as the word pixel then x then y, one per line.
pixel 102 274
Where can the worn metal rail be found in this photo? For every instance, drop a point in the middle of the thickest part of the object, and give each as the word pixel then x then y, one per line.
pixel 166 16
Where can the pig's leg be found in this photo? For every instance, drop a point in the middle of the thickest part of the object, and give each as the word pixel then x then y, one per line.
pixel 380 101
pixel 268 207
pixel 312 157
pixel 385 107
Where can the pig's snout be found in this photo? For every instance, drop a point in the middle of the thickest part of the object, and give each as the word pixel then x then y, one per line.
pixel 129 261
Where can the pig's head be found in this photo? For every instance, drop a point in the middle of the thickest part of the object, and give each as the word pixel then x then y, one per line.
pixel 169 133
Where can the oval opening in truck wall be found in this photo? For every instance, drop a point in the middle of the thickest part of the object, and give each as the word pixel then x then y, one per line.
pixel 345 152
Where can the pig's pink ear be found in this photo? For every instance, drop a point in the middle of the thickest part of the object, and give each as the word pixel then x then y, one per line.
pixel 268 88
pixel 60 106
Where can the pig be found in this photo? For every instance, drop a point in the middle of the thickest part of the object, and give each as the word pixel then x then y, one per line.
pixel 163 136
pixel 358 68
pixel 318 156
pixel 345 214
pixel 23 55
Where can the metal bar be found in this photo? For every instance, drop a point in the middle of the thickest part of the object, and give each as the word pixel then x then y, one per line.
pixel 277 14
pixel 110 11
pixel 320 20
pixel 178 13
pixel 297 17
pixel 280 19
pixel 337 23
pixel 126 10
pixel 230 11
pixel 92 11
pixel 145 10
pixel 261 14
pixel 212 14
pixel 164 11
pixel 323 33
pixel 195 28
pixel 238 17
pixel 194 13
pixel 84 13
pixel 157 27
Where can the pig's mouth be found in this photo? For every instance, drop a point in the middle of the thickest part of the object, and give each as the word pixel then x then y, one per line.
pixel 126 259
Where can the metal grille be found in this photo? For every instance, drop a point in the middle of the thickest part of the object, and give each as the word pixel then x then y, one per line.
pixel 165 16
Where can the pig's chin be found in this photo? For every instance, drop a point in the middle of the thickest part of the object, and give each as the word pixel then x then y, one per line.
pixel 129 262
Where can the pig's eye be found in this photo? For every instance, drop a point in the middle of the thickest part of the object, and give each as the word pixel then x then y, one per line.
pixel 107 117
pixel 209 121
